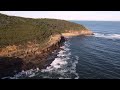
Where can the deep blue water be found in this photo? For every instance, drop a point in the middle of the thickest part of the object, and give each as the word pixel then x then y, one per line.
pixel 99 55
pixel 86 57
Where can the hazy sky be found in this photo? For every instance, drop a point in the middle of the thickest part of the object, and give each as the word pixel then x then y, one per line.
pixel 68 15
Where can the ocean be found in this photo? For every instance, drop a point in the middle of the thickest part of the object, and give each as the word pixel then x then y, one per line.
pixel 85 57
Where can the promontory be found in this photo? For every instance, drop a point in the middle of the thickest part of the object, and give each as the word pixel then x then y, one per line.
pixel 26 43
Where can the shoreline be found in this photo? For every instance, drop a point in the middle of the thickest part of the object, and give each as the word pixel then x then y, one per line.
pixel 35 58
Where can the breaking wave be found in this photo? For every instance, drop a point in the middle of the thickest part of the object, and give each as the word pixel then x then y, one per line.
pixel 63 67
pixel 108 36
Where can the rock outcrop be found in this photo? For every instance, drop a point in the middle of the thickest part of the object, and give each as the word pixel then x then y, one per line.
pixel 14 58
pixel 77 33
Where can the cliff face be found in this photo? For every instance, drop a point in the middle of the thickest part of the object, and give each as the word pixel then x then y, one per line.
pixel 14 58
pixel 23 51
pixel 32 48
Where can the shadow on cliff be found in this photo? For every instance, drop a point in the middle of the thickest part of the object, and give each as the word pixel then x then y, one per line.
pixel 10 66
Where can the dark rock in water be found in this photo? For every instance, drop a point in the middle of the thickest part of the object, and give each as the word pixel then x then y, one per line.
pixel 10 66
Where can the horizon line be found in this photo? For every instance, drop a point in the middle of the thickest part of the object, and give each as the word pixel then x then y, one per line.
pixel 93 20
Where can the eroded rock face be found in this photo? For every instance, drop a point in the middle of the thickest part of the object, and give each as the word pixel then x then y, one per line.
pixel 15 59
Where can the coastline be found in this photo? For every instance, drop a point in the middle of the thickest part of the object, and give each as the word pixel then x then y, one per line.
pixel 15 61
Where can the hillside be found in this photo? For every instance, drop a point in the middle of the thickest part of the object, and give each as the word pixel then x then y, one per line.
pixel 27 43
pixel 19 30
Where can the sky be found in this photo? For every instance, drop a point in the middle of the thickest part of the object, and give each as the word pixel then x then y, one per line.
pixel 69 15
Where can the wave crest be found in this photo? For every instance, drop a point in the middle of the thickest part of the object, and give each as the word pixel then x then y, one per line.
pixel 108 36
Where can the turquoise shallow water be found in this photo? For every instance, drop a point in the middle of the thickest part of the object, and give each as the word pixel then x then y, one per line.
pixel 85 57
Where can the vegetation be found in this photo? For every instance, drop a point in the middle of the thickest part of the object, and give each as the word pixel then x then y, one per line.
pixel 19 30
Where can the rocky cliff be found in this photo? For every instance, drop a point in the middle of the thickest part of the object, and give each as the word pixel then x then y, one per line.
pixel 27 43
pixel 14 58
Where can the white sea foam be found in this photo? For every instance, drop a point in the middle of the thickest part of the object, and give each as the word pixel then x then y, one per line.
pixel 60 61
pixel 61 53
pixel 77 76
pixel 62 47
pixel 62 65
pixel 27 73
pixel 63 78
pixel 64 72
pixel 108 36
